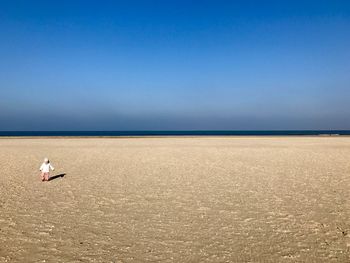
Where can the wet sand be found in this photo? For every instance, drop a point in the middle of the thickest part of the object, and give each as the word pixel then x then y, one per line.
pixel 201 199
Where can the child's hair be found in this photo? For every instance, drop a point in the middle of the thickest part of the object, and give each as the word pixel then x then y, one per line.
pixel 46 160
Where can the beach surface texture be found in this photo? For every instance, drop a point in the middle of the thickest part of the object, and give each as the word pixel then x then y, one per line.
pixel 176 199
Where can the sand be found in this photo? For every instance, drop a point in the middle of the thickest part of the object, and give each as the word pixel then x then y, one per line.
pixel 201 199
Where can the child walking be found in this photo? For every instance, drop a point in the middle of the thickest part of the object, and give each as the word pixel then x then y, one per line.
pixel 45 169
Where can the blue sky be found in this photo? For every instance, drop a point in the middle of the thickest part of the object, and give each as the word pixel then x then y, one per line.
pixel 174 65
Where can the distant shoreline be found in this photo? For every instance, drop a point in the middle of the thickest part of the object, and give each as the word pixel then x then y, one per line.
pixel 163 137
pixel 171 134
pixel 190 133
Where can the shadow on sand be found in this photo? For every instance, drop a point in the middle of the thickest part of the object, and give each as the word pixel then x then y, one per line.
pixel 56 176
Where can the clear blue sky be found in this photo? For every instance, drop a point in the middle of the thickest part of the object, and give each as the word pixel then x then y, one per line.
pixel 174 65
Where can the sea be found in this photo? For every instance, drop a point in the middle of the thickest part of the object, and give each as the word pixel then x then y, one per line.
pixel 175 133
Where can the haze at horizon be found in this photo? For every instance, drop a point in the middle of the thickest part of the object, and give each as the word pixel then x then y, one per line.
pixel 174 65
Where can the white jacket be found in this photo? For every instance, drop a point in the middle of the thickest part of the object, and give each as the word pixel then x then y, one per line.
pixel 45 167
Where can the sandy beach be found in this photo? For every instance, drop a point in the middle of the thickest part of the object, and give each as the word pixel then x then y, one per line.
pixel 199 199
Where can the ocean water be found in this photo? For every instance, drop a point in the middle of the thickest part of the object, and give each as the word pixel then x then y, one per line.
pixel 176 133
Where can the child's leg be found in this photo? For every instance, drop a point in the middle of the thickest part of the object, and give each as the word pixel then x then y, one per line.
pixel 42 176
pixel 46 176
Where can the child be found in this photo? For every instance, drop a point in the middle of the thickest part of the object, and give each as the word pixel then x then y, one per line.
pixel 45 169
